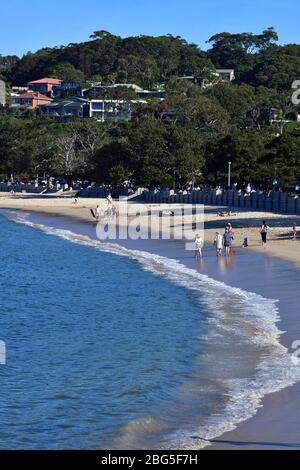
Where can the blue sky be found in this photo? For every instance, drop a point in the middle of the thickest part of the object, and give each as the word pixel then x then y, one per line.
pixel 28 26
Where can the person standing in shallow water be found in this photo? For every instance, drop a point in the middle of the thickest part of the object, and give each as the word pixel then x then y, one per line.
pixel 227 241
pixel 198 246
pixel 231 231
pixel 264 232
pixel 218 242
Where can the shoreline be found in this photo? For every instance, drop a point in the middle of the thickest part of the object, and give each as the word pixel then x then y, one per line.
pixel 245 224
pixel 276 407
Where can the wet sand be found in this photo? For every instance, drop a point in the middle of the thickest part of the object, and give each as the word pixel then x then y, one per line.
pixel 275 426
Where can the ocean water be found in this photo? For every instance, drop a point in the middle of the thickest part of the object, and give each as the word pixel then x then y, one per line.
pixel 115 348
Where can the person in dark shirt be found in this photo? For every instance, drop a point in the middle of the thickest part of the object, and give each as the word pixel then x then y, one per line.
pixel 227 241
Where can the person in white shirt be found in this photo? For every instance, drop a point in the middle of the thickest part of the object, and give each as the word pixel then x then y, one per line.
pixel 264 232
pixel 218 242
pixel 198 246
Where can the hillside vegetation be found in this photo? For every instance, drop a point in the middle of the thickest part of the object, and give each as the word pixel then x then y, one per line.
pixel 193 133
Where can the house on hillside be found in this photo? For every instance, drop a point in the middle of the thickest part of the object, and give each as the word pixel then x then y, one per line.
pixel 98 89
pixel 64 110
pixel 17 90
pixel 44 85
pixel 102 110
pixel 2 93
pixel 151 94
pixel 28 100
pixel 67 90
pixel 224 75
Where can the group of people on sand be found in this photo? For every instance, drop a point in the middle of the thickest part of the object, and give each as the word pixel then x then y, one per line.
pixel 226 214
pixel 225 241
pixel 220 242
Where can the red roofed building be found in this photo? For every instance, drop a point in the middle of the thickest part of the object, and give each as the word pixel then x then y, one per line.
pixel 29 100
pixel 44 85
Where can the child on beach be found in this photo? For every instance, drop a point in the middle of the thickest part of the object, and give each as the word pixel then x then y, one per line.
pixel 245 243
pixel 294 231
pixel 198 246
pixel 264 232
pixel 218 242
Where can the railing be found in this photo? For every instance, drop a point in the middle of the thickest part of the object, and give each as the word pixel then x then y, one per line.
pixel 275 201
pixel 91 192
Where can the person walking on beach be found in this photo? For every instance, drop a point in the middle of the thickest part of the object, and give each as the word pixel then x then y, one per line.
pixel 294 231
pixel 198 246
pixel 227 241
pixel 264 232
pixel 218 242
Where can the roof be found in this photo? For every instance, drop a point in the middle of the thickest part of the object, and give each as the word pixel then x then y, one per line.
pixel 225 70
pixel 37 96
pixel 47 80
pixel 71 102
pixel 134 87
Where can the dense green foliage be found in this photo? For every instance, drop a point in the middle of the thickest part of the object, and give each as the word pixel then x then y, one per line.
pixel 143 60
pixel 193 133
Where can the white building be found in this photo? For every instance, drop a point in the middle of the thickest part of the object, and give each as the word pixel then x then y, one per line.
pixel 223 75
pixel 102 110
pixel 226 74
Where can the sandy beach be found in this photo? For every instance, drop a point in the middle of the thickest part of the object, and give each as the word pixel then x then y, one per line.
pixel 245 223
pixel 275 426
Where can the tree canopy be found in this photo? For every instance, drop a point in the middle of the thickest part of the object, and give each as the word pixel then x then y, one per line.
pixel 193 133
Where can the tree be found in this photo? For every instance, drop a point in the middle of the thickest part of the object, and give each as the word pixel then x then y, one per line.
pixel 178 86
pixel 67 73
pixel 239 51
pixel 66 161
pixel 146 143
pixel 102 34
pixel 199 113
pixel 185 148
pixel 244 149
pixel 89 137
pixel 235 99
pixel 275 68
pixel 284 155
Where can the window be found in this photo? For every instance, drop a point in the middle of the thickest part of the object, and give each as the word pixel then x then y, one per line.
pixel 98 106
